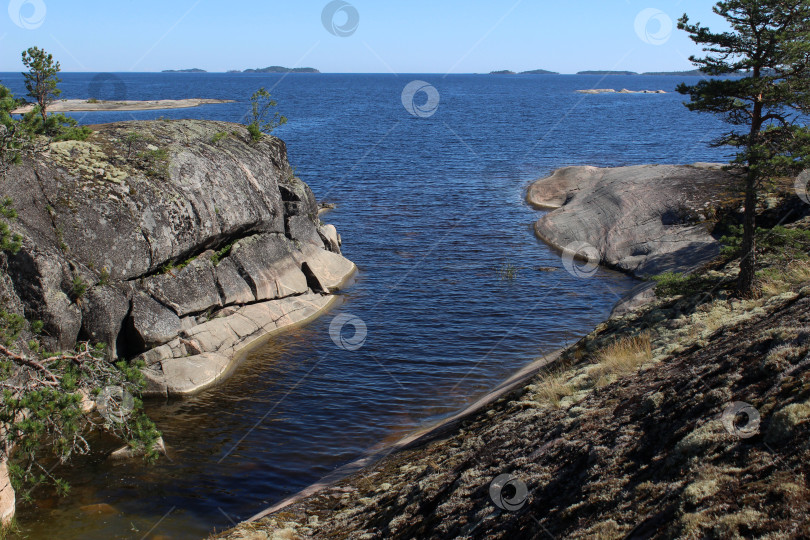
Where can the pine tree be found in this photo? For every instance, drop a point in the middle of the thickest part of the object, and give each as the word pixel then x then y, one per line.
pixel 761 86
pixel 41 79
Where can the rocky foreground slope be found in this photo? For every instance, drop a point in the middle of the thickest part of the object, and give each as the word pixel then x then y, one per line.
pixel 686 418
pixel 176 241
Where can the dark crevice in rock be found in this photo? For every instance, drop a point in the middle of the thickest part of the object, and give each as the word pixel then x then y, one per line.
pixel 287 231
pixel 221 291
pixel 127 343
pixel 214 243
pixel 254 290
pixel 56 233
pixel 312 280
pixel 151 248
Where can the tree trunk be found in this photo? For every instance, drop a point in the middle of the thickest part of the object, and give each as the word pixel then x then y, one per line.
pixel 745 281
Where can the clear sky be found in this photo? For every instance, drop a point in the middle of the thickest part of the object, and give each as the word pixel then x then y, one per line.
pixel 404 36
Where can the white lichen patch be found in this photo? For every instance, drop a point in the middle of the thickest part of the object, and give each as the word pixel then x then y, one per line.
pixel 702 489
pixel 86 159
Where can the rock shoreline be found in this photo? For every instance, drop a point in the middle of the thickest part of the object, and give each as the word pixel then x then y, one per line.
pixel 177 242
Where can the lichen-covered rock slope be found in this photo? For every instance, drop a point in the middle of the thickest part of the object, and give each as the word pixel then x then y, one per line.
pixel 177 241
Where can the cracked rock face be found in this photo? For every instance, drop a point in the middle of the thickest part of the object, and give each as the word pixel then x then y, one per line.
pixel 148 231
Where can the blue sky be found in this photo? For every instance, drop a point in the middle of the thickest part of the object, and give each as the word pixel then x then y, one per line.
pixel 413 36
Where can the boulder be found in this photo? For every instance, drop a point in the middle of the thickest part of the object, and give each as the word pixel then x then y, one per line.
pixel 643 220
pixel 192 289
pixel 232 286
pixel 329 269
pixel 303 229
pixel 330 237
pixel 267 265
pixel 151 324
pixel 7 497
pixel 41 280
pixel 104 309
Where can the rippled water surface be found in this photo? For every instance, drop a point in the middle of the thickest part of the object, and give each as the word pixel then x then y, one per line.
pixel 429 209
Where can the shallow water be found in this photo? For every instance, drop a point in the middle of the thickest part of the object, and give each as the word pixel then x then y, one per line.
pixel 429 210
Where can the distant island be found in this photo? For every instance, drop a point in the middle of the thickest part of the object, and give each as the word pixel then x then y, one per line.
pixel 279 69
pixel 688 73
pixel 532 72
pixel 607 73
pixel 539 72
pixel 192 70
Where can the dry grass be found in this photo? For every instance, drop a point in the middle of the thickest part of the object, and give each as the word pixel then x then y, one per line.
pixel 776 283
pixel 621 357
pixel 553 389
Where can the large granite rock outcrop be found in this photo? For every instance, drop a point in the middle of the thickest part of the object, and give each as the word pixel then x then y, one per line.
pixel 643 220
pixel 176 241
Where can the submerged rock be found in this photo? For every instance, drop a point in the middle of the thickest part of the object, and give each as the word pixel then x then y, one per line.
pixel 137 235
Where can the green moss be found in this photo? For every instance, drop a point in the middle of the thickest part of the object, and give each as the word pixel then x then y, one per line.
pixel 155 162
pixel 671 284
pixel 222 253
pixel 219 136
pixel 79 288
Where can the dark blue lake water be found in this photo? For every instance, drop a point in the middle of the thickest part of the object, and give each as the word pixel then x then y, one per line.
pixel 429 209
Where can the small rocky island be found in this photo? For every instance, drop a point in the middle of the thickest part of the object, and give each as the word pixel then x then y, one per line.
pixel 191 70
pixel 622 91
pixel 278 69
pixel 92 104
